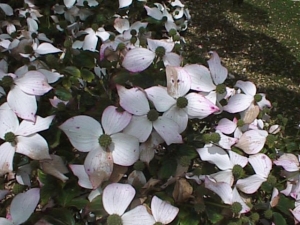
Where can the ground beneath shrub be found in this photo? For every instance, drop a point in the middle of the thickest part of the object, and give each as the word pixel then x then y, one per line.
pixel 258 41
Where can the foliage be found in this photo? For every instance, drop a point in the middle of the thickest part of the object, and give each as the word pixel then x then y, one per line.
pixel 103 121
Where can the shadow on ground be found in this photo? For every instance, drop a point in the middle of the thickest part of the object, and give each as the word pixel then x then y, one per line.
pixel 240 44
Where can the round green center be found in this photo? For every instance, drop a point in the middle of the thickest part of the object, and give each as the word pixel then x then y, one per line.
pixel 236 207
pixel 257 97
pixel 7 81
pixel 160 51
pixel 121 46
pixel 152 115
pixel 114 219
pixel 105 140
pixel 10 137
pixel 133 32
pixel 221 88
pixel 158 223
pixel 240 123
pixel 182 102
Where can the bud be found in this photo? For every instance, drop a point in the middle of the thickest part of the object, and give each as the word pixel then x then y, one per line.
pixel 121 46
pixel 215 137
pixel 236 207
pixel 133 32
pixel 254 217
pixel 172 32
pixel 257 97
pixel 268 214
pixel 160 51
pixel 237 171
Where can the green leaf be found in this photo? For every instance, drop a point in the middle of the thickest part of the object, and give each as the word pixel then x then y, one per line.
pixel 190 219
pixel 60 216
pixel 63 93
pixel 187 150
pixel 213 214
pixel 87 75
pixel 279 219
pixel 73 71
pixel 284 204
pixel 167 169
pixel 96 206
pixel 79 203
pixel 84 60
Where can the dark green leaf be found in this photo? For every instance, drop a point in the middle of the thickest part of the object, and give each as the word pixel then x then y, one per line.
pixel 279 219
pixel 284 204
pixel 73 71
pixel 63 93
pixel 84 60
pixel 87 75
pixel 60 216
pixel 213 214
pixel 167 169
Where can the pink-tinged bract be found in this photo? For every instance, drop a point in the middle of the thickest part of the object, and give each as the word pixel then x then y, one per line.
pixel 98 165
pixel 7 152
pixel 220 188
pixel 200 78
pixel 163 211
pixel 137 216
pixel 133 100
pixel 218 72
pixel 250 184
pixel 114 121
pixel 24 204
pixel 117 197
pixel 247 87
pixel 121 24
pixel 125 149
pixel 226 126
pixel 252 141
pixel 238 103
pixel 83 178
pixel 261 164
pixel 153 44
pixel 138 59
pixel 288 161
pixel 83 132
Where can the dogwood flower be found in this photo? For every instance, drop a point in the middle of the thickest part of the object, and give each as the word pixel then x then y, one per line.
pixel 21 138
pixel 144 120
pixel 241 101
pixel 176 103
pixel 223 160
pixel 22 95
pixel 116 199
pixel 86 135
pixel 262 166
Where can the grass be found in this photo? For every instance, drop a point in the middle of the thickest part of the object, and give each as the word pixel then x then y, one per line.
pixel 259 41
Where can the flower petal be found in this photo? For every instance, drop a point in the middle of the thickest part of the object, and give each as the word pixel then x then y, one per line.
pixel 8 120
pixel 138 59
pixel 154 12
pixel 226 142
pixel 133 100
pixel 98 165
pixel 199 106
pixel 83 132
pixel 160 98
pixel 215 155
pixel 4 221
pixel 237 159
pixel 247 87
pixel 168 130
pixel 172 59
pixel 7 152
pixel 288 161
pixel 163 211
pixel 200 78
pixel 83 178
pixel 22 104
pixel 220 188
pixel 28 127
pixel 117 197
pixel 250 184
pixel 121 24
pixel 226 126
pixel 33 83
pixel 24 204
pixel 139 127
pixel 153 44
pixel 114 121
pixel 261 164
pixel 46 48
pixel 125 149
pixel 237 198
pixel 179 116
pixel 138 215
pixel 178 81
pixel 33 146
pixel 238 103
pixel 7 9
pixel 218 72
pixel 90 42
pixel 124 3
pixel 252 141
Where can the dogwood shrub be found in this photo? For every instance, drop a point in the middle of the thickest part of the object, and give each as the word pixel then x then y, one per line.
pixel 103 122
